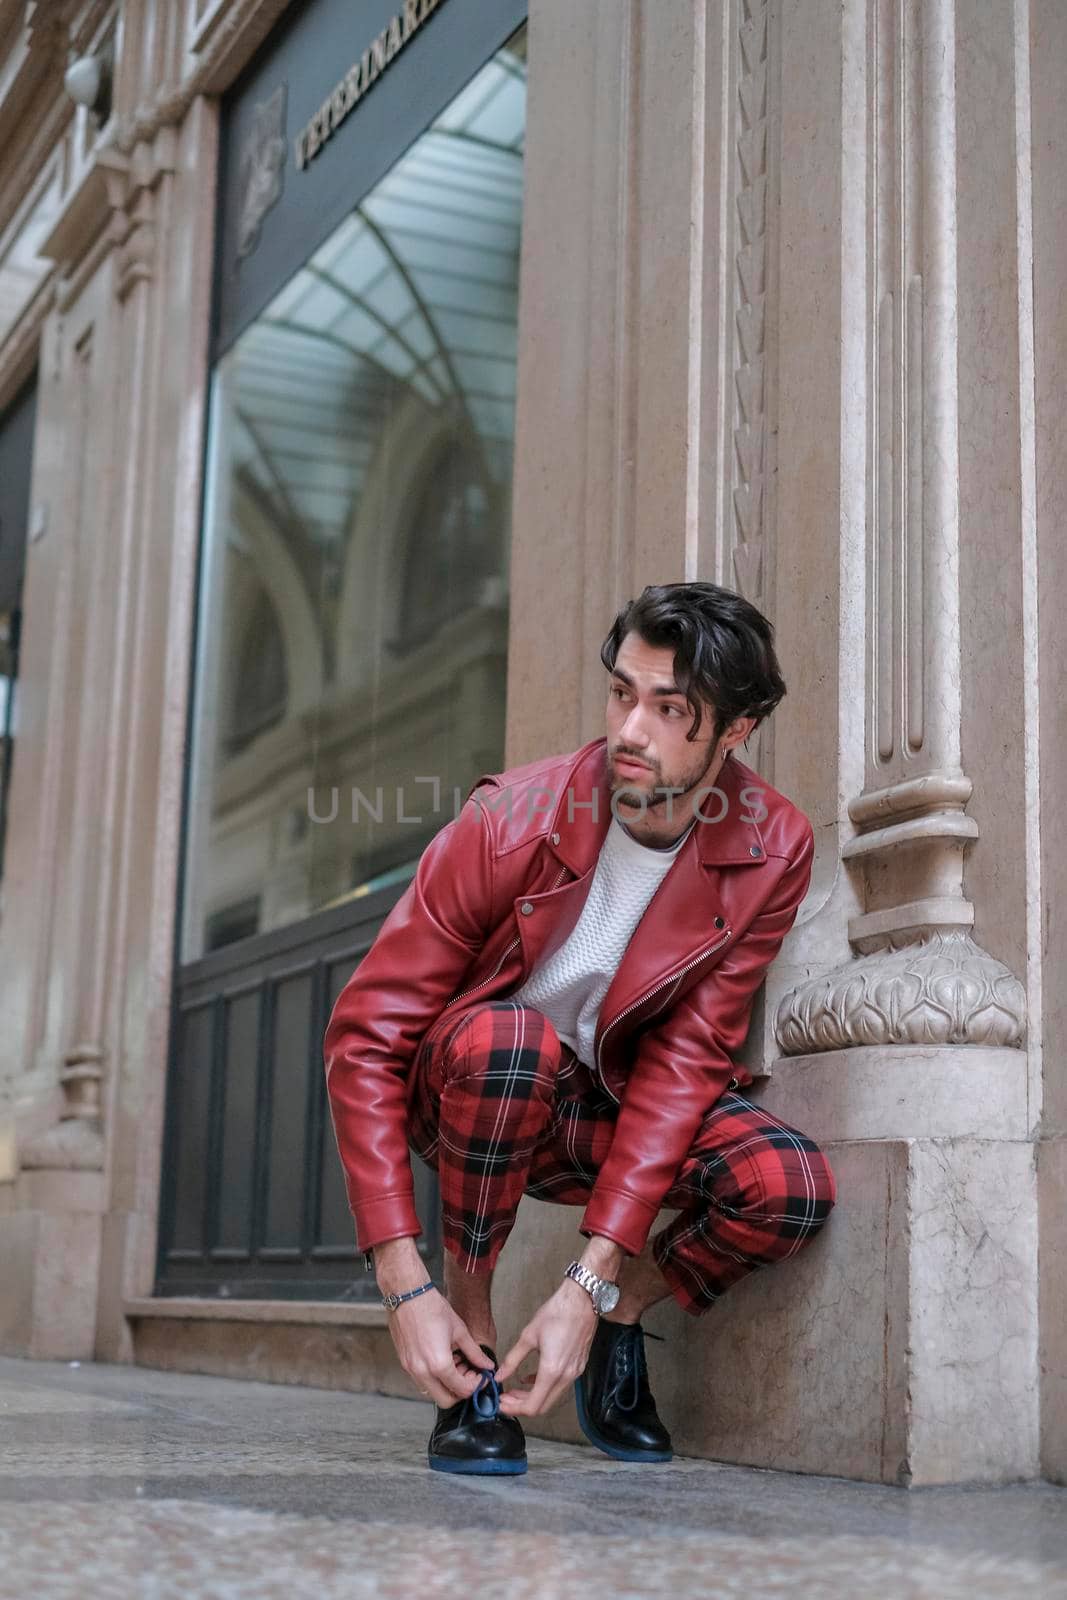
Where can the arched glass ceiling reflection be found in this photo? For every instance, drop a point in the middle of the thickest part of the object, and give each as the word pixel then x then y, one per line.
pixel 416 292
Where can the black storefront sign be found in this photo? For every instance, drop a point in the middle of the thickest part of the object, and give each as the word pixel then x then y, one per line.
pixel 273 214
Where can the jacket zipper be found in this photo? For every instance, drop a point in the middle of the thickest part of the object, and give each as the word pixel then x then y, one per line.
pixel 457 997
pixel 674 978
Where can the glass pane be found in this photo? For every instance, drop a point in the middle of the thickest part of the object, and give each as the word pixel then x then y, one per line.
pixel 353 631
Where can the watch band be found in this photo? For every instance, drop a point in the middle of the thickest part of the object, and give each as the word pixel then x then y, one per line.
pixel 391 1301
pixel 582 1276
pixel 602 1292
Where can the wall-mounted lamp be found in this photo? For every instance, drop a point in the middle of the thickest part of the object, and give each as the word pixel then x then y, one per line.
pixel 88 82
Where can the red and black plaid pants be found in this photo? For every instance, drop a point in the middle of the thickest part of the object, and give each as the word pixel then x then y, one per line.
pixel 501 1108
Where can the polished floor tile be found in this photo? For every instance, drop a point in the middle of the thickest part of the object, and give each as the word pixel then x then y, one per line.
pixel 120 1482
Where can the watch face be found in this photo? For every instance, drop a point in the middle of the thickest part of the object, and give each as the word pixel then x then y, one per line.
pixel 607 1297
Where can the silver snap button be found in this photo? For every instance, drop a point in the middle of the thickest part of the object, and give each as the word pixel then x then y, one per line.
pixel 526 908
pixel 754 850
pixel 555 838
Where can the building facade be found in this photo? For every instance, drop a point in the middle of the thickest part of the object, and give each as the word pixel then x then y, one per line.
pixel 356 364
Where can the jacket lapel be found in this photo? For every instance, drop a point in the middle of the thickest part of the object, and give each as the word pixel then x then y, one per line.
pixel 678 924
pixel 582 813
pixel 580 820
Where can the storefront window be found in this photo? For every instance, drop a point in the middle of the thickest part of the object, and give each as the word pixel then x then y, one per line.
pixel 353 630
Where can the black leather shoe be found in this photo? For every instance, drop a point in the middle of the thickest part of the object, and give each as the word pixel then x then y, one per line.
pixel 474 1435
pixel 615 1405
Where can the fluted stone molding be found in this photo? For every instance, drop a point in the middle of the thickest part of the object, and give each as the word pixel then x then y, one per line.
pixel 755 173
pixel 915 787
pixel 750 285
pixel 914 703
pixel 921 977
pixel 942 991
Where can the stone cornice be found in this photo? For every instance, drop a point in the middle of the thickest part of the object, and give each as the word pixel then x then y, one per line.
pixel 34 115
pixel 219 54
pixel 228 40
pixel 19 351
pixel 88 209
pixel 11 12
pixel 24 166
pixel 86 23
pixel 116 194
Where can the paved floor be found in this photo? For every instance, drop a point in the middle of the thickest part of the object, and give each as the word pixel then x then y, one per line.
pixel 118 1482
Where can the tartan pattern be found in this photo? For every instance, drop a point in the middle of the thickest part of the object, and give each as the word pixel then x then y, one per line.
pixel 483 1096
pixel 500 1108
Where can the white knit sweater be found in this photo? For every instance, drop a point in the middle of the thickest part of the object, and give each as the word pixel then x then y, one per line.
pixel 569 987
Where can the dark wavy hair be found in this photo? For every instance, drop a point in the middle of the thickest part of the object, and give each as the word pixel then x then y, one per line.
pixel 723 649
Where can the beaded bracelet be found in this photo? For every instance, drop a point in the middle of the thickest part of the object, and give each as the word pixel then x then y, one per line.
pixel 391 1301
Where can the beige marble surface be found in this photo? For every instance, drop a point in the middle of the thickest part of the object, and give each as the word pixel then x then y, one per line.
pixel 171 1549
pixel 142 1486
pixel 899 1347
pixel 1052 1195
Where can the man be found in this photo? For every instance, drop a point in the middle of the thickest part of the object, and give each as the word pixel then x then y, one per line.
pixel 552 1008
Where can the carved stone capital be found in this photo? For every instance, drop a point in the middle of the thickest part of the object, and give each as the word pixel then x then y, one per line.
pixel 942 990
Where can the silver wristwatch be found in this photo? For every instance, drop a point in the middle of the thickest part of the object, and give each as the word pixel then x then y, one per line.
pixel 604 1295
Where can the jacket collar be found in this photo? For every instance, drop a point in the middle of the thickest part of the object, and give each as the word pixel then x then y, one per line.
pixel 583 815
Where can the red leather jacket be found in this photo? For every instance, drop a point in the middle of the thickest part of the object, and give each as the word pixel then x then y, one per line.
pixel 502 886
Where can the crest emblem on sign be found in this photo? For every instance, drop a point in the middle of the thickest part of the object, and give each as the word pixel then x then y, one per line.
pixel 262 169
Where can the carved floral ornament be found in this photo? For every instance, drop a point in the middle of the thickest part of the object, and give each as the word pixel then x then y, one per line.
pixel 944 990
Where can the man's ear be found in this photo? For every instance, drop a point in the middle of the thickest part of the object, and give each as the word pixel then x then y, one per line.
pixel 739 730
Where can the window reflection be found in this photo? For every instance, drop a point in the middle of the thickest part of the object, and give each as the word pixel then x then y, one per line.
pixel 353 633
pixel 260 685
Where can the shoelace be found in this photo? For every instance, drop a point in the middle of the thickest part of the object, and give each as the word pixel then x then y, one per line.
pixel 630 1367
pixel 486 1398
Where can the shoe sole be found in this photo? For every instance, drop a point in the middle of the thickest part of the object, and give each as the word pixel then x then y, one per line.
pixel 617 1452
pixel 498 1469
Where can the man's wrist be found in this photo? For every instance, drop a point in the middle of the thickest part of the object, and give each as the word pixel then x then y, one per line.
pixel 604 1257
pixel 398 1266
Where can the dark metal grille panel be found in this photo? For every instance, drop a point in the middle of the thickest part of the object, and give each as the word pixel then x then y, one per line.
pixel 254 1201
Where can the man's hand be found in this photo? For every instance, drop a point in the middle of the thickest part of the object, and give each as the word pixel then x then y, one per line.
pixel 435 1346
pixel 562 1331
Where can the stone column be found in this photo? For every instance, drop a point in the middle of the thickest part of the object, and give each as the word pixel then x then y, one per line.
pixel 1046 583
pixel 780 335
pixel 96 797
pixel 167 262
pixel 911 1052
